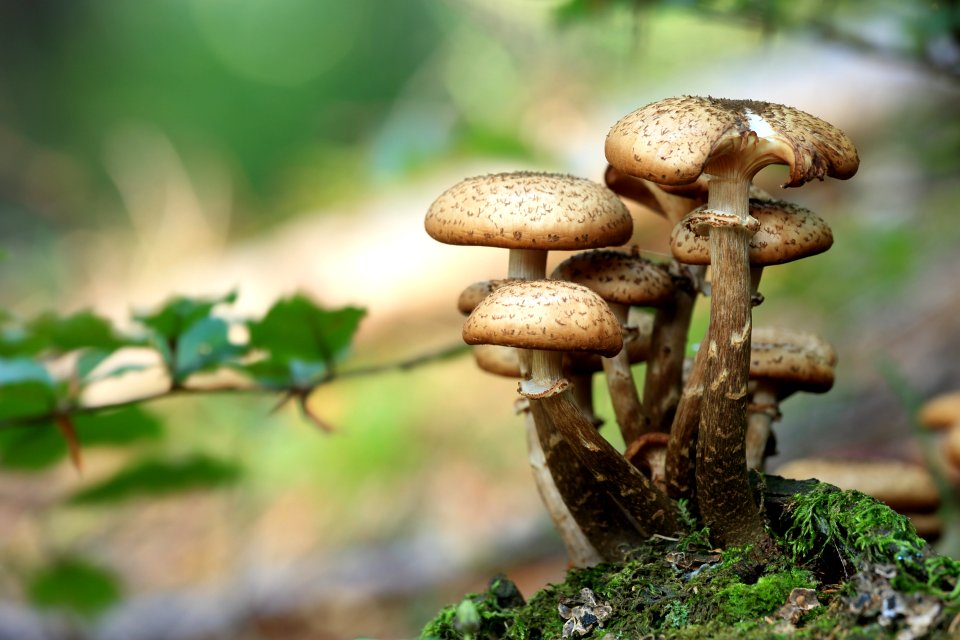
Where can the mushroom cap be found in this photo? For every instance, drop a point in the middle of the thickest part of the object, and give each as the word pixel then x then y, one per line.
pixel 793 360
pixel 640 451
pixel 619 277
pixel 903 486
pixel 636 341
pixel 787 232
pixel 549 315
pixel 500 361
pixel 474 293
pixel 671 141
pixel 527 210
pixel 951 447
pixel 942 411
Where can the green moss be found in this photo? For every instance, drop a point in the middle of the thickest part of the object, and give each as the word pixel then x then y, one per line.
pixel 865 531
pixel 686 590
pixel 741 602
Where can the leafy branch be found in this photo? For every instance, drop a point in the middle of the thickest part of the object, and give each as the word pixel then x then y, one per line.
pixel 294 349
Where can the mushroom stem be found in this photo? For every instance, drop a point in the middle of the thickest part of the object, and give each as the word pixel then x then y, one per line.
pixel 623 388
pixel 633 493
pixel 682 448
pixel 723 487
pixel 527 264
pixel 761 412
pixel 581 386
pixel 663 383
pixel 580 552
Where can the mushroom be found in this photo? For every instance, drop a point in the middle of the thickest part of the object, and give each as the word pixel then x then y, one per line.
pixel 550 317
pixel 782 361
pixel 649 454
pixel 786 232
pixel 622 280
pixel 902 486
pixel 529 213
pixel 674 142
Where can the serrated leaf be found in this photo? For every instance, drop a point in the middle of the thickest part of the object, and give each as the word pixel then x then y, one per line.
pixel 151 477
pixel 180 313
pixel 302 340
pixel 26 388
pixel 74 584
pixel 205 346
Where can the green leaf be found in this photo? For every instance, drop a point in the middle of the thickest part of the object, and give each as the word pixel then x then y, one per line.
pixel 32 448
pixel 74 584
pixel 81 330
pixel 151 477
pixel 205 346
pixel 117 427
pixel 180 313
pixel 26 388
pixel 40 446
pixel 302 341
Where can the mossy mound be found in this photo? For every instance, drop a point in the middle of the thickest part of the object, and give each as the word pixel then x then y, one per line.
pixel 873 577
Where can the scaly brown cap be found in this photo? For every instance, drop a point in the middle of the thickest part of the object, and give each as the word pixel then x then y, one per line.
pixel 905 487
pixel 549 315
pixel 500 361
pixel 672 141
pixel 619 277
pixel 474 293
pixel 787 232
pixel 526 210
pixel 942 411
pixel 794 360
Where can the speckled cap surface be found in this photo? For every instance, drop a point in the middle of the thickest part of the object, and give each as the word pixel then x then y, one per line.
pixel 549 315
pixel 527 210
pixel 796 360
pixel 471 296
pixel 787 232
pixel 618 277
pixel 672 140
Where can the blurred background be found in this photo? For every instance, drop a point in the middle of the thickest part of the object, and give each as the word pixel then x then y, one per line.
pixel 196 147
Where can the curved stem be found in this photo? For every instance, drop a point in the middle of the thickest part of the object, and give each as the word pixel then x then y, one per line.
pixel 681 464
pixel 760 416
pixel 633 494
pixel 623 388
pixel 580 551
pixel 663 383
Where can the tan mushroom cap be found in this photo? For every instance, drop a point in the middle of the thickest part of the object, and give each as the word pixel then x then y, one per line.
pixel 942 411
pixel 527 210
pixel 671 141
pixel 500 361
pixel 474 293
pixel 636 341
pixel 549 315
pixel 951 447
pixel 619 277
pixel 787 232
pixel 905 487
pixel 795 360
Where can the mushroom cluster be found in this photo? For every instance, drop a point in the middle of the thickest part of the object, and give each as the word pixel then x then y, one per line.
pixel 694 430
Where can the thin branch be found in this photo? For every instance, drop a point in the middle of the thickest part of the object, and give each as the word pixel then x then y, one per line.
pixel 180 390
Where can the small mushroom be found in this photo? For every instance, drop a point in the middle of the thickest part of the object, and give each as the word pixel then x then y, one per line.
pixel 550 317
pixel 622 280
pixel 903 486
pixel 782 362
pixel 649 454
